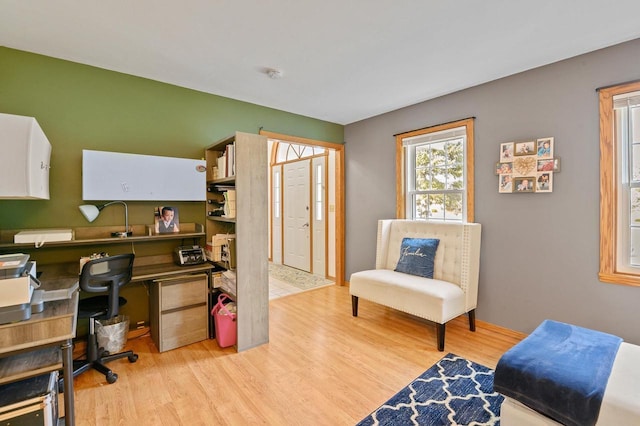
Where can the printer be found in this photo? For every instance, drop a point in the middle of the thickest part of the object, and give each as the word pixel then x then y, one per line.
pixel 19 297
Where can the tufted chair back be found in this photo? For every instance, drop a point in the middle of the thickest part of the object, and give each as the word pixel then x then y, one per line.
pixel 457 258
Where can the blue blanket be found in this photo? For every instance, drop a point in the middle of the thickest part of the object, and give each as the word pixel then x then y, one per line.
pixel 559 370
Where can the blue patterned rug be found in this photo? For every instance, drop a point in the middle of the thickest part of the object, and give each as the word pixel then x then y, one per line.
pixel 455 391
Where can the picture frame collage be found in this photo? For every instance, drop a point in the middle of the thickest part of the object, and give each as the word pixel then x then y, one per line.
pixel 527 166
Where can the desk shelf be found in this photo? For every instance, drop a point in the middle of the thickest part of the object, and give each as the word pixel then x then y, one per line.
pixel 30 364
pixel 100 235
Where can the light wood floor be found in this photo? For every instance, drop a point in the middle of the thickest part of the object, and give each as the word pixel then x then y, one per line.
pixel 321 367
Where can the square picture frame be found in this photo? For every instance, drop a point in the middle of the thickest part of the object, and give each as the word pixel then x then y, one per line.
pixel 524 184
pixel 505 184
pixel 527 166
pixel 504 168
pixel 544 147
pixel 544 182
pixel 548 165
pixel 166 220
pixel 506 152
pixel 525 148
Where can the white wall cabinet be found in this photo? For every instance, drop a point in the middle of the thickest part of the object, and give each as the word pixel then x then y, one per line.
pixel 24 163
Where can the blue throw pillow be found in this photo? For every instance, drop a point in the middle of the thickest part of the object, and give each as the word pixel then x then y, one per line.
pixel 417 256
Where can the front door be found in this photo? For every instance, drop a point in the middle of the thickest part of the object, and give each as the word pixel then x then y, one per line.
pixel 296 215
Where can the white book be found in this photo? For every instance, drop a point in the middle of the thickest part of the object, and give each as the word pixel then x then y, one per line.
pixel 222 166
pixel 232 159
pixel 230 203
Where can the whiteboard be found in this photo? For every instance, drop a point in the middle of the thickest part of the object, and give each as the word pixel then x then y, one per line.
pixel 119 176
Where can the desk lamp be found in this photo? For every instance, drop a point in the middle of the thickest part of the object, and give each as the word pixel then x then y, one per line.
pixel 91 212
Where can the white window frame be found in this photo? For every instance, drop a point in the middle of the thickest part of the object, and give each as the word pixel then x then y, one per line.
pixel 625 121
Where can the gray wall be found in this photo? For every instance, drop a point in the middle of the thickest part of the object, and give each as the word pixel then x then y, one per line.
pixel 540 252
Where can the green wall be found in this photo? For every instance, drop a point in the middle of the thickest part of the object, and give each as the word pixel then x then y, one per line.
pixel 83 107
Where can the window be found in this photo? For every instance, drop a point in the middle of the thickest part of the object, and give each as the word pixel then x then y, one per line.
pixel 620 184
pixel 319 204
pixel 276 194
pixel 435 172
pixel 289 151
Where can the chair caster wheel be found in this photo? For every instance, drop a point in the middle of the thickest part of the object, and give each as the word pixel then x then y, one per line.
pixel 133 358
pixel 111 378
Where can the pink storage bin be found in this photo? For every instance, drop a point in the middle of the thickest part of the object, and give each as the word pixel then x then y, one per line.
pixel 225 322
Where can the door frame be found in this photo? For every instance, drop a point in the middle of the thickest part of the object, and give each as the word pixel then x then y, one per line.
pixel 339 192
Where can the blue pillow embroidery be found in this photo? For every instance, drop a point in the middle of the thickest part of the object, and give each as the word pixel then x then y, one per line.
pixel 417 256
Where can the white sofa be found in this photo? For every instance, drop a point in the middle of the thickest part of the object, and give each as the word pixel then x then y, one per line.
pixel 453 291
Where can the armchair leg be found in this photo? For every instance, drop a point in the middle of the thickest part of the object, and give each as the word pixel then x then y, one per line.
pixel 440 336
pixel 472 320
pixel 354 305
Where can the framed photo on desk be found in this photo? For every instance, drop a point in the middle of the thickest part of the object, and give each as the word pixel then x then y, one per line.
pixel 166 220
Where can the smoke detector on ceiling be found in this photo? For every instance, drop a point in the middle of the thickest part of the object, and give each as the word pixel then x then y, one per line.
pixel 274 74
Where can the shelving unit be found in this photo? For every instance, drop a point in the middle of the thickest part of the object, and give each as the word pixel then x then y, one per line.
pixel 249 226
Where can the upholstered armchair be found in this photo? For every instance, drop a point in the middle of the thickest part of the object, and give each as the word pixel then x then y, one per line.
pixel 450 292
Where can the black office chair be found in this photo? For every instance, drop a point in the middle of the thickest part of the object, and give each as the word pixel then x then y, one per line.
pixel 106 274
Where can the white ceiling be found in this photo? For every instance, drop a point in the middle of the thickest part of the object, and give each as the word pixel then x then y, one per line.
pixel 341 60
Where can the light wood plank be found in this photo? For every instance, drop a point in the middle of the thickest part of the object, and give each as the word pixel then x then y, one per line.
pixel 321 366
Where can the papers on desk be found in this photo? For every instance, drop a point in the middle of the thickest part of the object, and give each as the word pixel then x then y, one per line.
pixel 17 283
pixel 52 292
pixel 40 236
pixel 228 284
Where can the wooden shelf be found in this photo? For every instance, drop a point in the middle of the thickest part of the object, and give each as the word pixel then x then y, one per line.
pixel 222 219
pixel 223 181
pixel 223 266
pixel 99 235
pixel 30 364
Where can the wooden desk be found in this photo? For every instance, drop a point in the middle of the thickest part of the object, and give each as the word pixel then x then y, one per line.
pixel 149 268
pixel 29 348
